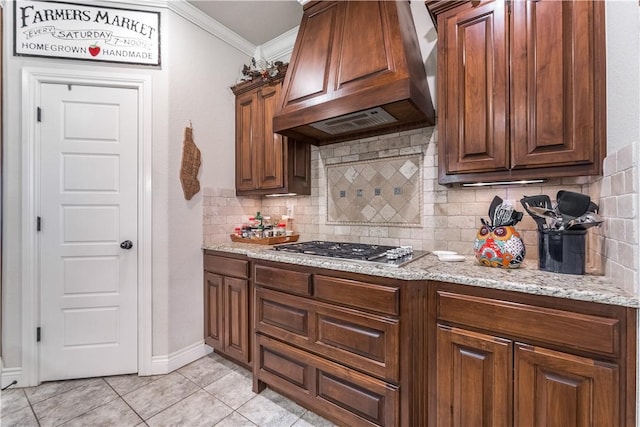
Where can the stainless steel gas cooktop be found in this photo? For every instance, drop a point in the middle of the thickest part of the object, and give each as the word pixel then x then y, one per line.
pixel 379 254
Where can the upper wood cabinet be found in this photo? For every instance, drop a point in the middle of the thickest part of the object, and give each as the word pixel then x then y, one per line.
pixel 521 89
pixel 266 162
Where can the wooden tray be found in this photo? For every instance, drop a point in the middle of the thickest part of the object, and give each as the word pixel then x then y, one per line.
pixel 267 240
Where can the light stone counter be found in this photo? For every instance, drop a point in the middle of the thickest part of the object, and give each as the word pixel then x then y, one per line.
pixel 527 279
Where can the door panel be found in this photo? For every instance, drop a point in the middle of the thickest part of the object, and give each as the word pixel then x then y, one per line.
pixel 104 271
pixel 246 115
pixel 473 379
pixel 100 173
pixel 88 204
pixel 474 74
pixel 553 83
pixel 236 300
pixel 271 149
pixel 554 389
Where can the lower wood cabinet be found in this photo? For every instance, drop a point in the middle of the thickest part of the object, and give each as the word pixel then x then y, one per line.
pixel 487 380
pixel 502 362
pixel 227 306
pixel 349 347
pixel 362 350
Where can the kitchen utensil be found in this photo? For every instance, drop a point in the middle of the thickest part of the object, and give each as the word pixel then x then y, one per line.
pixel 502 214
pixel 547 214
pixel 543 212
pixel 571 205
pixel 497 201
pixel 540 201
pixel 588 220
pixel 516 217
pixel 584 226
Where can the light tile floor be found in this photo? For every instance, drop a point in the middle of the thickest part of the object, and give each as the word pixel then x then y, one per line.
pixel 208 392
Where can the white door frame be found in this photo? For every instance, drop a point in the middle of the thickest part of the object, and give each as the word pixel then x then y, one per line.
pixel 32 78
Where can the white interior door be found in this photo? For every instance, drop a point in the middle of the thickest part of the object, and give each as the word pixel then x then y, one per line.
pixel 88 203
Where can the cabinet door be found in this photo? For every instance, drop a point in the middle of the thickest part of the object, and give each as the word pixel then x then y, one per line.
pixel 554 389
pixel 246 117
pixel 269 148
pixel 473 379
pixel 556 86
pixel 236 322
pixel 472 88
pixel 213 311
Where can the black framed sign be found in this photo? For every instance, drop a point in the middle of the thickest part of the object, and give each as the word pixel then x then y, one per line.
pixel 91 33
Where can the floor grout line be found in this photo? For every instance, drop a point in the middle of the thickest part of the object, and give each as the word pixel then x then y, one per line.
pixel 197 374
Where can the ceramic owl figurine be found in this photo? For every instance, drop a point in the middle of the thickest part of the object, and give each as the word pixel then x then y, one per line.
pixel 499 247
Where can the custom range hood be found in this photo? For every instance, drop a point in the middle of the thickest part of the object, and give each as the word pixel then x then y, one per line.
pixel 355 71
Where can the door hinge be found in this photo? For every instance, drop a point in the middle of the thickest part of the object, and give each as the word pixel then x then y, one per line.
pixel 39 114
pixel 38 334
pixel 39 224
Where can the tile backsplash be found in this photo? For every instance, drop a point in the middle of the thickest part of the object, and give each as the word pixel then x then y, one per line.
pixel 615 244
pixel 374 192
pixel 449 217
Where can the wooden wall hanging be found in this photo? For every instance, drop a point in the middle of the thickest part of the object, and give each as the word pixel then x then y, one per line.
pixel 191 160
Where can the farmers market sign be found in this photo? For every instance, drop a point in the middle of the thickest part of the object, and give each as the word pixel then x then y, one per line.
pixel 78 31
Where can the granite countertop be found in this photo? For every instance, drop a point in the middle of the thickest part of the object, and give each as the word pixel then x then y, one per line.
pixel 528 278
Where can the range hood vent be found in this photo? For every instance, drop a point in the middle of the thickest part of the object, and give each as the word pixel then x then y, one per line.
pixel 356 71
pixel 355 121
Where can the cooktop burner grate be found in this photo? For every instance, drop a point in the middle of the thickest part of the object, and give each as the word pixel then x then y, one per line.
pixel 351 251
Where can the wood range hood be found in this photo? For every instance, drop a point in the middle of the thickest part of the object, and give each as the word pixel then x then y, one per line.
pixel 355 71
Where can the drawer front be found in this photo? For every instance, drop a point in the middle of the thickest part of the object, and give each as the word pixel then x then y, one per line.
pixel 523 321
pixel 363 341
pixel 294 282
pixel 282 315
pixel 341 394
pixel 367 296
pixel 226 266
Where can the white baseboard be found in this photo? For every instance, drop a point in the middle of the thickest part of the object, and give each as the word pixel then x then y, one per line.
pixel 159 364
pixel 164 364
pixel 11 374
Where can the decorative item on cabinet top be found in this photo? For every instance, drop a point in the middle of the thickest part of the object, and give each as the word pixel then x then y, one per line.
pixel 255 77
pixel 262 69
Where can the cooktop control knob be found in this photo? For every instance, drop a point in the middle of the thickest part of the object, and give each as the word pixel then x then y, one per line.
pixel 401 252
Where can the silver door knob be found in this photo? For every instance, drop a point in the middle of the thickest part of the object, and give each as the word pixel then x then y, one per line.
pixel 127 244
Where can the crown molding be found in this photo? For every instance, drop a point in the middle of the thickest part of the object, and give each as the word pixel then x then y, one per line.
pixel 198 18
pixel 273 50
pixel 280 47
pixel 210 25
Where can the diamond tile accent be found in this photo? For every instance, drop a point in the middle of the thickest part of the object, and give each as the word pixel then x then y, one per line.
pixel 408 169
pixel 351 174
pixel 384 191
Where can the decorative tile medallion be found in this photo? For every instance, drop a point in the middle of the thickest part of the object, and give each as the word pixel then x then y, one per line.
pixel 381 191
